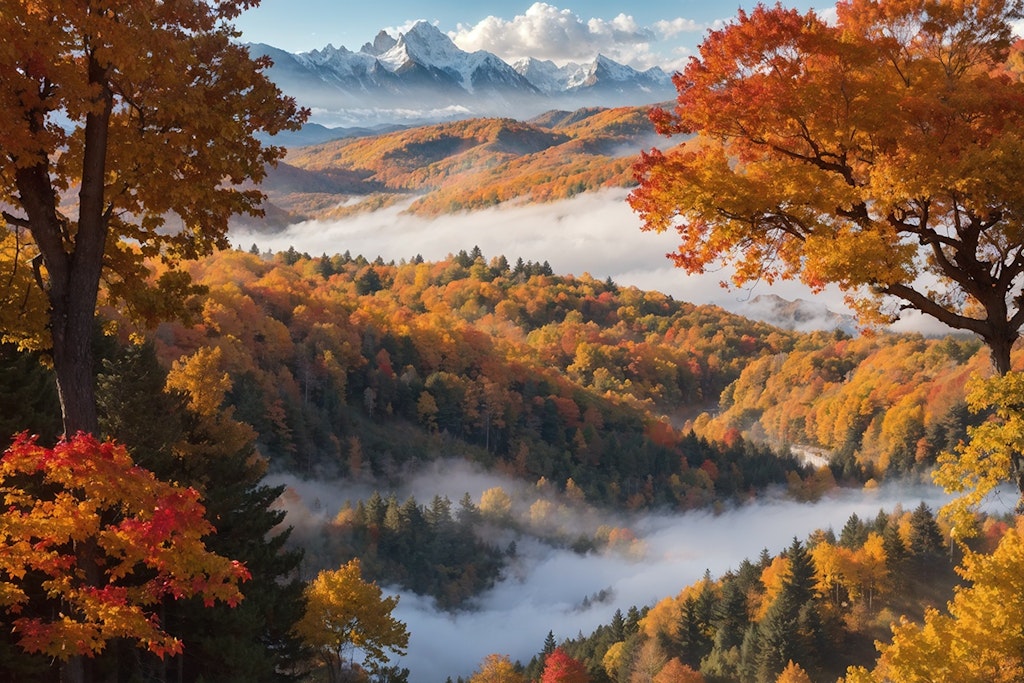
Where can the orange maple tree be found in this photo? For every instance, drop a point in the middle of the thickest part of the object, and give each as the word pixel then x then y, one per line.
pixel 880 152
pixel 130 131
pixel 91 544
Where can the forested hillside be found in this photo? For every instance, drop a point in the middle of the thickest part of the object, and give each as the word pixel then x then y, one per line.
pixel 459 166
pixel 554 376
pixel 345 365
pixel 816 608
pixel 876 405
pixel 342 367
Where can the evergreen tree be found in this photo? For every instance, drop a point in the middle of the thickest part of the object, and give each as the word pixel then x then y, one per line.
pixel 748 661
pixel 791 628
pixel 28 396
pixel 696 633
pixel 731 617
pixel 324 266
pixel 468 514
pixel 253 641
pixel 618 627
pixel 375 511
pixel 896 557
pixel 499 265
pixel 368 282
pixel 854 533
pixel 633 617
pixel 778 642
pixel 549 643
pixel 925 535
pixel 800 579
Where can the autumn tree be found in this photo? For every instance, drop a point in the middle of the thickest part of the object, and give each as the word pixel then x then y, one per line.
pixel 145 541
pixel 126 123
pixel 345 613
pixel 497 669
pixel 182 432
pixel 793 674
pixel 675 671
pixel 992 454
pixel 879 152
pixel 559 667
pixel 975 639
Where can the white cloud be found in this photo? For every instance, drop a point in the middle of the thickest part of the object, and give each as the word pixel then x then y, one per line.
pixel 547 32
pixel 673 27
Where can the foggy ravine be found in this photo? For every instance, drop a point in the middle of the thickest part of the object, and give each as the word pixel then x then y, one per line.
pixel 547 589
pixel 595 233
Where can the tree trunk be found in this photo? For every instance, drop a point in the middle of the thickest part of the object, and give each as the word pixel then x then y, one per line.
pixel 74 289
pixel 1000 347
pixel 72 333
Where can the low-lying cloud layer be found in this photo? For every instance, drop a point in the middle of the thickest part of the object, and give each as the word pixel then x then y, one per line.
pixel 595 233
pixel 554 590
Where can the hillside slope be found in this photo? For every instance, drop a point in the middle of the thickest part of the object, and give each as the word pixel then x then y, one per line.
pixel 459 166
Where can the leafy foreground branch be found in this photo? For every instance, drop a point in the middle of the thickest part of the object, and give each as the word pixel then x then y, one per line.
pixel 90 543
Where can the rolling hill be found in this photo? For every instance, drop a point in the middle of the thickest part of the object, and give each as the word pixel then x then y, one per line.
pixel 459 166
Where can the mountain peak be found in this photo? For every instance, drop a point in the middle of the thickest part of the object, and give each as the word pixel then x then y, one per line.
pixel 425 43
pixel 381 44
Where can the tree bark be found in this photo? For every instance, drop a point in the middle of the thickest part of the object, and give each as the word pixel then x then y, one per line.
pixel 1000 347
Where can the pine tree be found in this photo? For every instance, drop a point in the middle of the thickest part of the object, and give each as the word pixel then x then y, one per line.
pixel 731 618
pixel 854 533
pixel 791 628
pixel 549 643
pixel 633 617
pixel 925 536
pixel 896 557
pixel 28 396
pixel 618 627
pixel 253 642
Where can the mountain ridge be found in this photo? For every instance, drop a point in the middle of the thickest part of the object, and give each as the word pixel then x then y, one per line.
pixel 422 76
pixel 456 166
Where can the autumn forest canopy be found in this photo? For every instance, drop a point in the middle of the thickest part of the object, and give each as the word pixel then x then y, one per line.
pixel 155 382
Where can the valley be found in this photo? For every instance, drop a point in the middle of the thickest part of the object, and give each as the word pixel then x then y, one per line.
pixel 423 363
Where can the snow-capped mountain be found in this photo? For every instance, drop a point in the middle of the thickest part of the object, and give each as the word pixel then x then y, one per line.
pixel 601 74
pixel 423 76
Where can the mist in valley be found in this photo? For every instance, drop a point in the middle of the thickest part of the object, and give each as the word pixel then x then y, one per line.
pixel 595 233
pixel 548 588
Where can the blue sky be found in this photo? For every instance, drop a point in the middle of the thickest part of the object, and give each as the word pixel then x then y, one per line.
pixel 641 34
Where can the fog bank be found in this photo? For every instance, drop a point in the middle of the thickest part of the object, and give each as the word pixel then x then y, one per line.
pixel 595 233
pixel 556 590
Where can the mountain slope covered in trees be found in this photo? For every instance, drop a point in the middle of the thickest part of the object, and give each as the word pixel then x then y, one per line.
pixel 459 166
pixel 554 376
pixel 586 390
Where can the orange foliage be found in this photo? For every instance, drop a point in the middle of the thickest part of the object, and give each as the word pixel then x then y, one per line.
pixel 107 540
